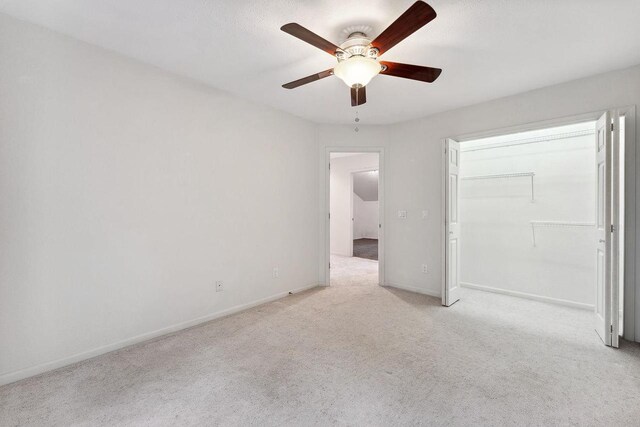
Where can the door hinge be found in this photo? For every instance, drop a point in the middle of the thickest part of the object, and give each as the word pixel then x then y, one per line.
pixel 612 127
pixel 612 228
pixel 329 166
pixel 611 326
pixel 329 265
pixel 329 215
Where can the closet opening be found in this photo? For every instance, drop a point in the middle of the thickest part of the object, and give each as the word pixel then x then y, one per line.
pixel 540 216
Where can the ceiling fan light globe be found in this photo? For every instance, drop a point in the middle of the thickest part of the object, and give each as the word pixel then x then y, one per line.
pixel 357 71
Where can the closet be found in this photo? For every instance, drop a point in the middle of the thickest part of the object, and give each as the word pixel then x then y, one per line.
pixel 527 212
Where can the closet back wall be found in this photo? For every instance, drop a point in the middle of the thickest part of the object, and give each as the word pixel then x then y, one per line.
pixel 496 213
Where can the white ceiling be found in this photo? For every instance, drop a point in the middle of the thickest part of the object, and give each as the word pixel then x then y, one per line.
pixel 487 48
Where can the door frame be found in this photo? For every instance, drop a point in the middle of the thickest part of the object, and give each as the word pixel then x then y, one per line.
pixel 631 328
pixel 353 173
pixel 325 254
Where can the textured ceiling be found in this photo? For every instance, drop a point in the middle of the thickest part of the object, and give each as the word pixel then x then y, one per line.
pixel 487 48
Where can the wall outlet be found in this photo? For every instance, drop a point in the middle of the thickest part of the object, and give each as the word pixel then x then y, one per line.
pixel 425 270
pixel 276 272
pixel 402 214
pixel 219 286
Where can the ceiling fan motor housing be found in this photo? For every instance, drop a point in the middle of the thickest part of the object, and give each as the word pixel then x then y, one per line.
pixel 357 44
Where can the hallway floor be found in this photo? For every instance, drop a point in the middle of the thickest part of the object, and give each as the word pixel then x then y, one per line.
pixel 352 354
pixel 365 248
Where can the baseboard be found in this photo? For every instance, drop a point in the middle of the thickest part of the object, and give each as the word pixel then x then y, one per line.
pixel 414 289
pixel 535 297
pixel 49 366
pixel 339 254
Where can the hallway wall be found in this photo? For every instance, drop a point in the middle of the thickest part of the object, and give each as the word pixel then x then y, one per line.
pixel 365 218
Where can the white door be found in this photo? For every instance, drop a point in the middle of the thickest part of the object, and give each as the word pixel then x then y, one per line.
pixel 606 306
pixel 451 282
pixel 615 235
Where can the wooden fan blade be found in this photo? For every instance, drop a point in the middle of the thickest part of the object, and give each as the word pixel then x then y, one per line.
pixel 308 79
pixel 358 96
pixel 297 30
pixel 408 71
pixel 408 23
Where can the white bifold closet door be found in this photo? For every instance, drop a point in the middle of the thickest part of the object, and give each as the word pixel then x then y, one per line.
pixel 451 281
pixel 606 303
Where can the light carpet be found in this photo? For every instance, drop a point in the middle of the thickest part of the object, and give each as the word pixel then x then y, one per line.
pixel 353 271
pixel 352 355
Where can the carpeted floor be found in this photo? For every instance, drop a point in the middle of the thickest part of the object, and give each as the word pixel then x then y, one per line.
pixel 353 271
pixel 352 354
pixel 365 248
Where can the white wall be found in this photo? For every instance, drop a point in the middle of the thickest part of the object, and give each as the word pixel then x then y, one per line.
pixel 340 198
pixel 126 192
pixel 497 250
pixel 413 165
pixel 365 218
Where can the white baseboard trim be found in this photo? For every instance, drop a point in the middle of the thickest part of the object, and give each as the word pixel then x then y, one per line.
pixel 341 254
pixel 78 357
pixel 422 291
pixel 535 297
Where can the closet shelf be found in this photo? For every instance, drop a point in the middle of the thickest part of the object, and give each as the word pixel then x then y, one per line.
pixel 505 175
pixel 557 224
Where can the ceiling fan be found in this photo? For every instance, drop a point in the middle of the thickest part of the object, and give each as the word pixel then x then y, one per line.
pixel 358 56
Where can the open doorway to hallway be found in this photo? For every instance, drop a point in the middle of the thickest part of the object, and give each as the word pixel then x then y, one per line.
pixel 354 206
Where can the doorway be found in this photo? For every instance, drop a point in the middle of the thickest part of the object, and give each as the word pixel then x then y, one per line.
pixel 364 208
pixel 354 218
pixel 540 214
